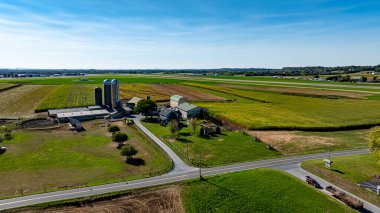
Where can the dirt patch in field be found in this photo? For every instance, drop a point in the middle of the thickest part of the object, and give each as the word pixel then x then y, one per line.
pixel 31 124
pixel 289 142
pixel 155 200
pixel 187 92
pixel 356 95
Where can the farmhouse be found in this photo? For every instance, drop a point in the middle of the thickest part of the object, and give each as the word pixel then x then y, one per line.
pixel 189 110
pixel 176 100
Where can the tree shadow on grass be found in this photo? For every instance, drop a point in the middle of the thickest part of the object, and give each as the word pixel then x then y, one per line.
pixel 135 161
pixel 218 186
pixel 338 171
pixel 183 140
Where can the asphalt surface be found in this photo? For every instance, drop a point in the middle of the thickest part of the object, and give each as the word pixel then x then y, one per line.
pixel 174 176
pixel 179 164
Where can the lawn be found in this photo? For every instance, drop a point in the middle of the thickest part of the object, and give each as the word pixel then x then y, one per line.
pixel 260 190
pixel 66 96
pixel 300 142
pixel 347 171
pixel 227 148
pixel 21 101
pixel 57 158
pixel 268 110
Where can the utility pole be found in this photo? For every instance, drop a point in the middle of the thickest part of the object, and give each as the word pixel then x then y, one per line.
pixel 200 167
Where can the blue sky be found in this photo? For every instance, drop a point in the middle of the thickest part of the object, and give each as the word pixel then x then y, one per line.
pixel 170 34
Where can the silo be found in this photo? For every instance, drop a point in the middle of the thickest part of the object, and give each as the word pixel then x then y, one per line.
pixel 115 92
pixel 107 93
pixel 98 96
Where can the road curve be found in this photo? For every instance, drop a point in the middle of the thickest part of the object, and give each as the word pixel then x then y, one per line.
pixel 279 163
pixel 179 164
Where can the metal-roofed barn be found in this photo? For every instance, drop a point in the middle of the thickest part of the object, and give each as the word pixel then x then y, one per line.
pixel 188 110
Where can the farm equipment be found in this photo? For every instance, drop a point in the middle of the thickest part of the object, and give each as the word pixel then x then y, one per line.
pixel 313 182
pixel 345 198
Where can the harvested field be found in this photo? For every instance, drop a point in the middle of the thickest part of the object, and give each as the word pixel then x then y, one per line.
pixel 162 92
pixel 295 142
pixel 319 92
pixel 155 200
pixel 21 101
pixel 187 92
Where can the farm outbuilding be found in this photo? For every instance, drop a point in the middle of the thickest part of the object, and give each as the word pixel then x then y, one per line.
pixel 166 115
pixel 133 102
pixel 189 110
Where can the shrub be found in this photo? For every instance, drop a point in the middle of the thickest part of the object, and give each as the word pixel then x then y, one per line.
pixel 120 138
pixel 113 128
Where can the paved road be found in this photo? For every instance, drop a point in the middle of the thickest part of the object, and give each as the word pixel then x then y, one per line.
pixel 280 163
pixel 179 164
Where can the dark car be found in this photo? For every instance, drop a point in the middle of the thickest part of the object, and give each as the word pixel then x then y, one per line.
pixel 313 182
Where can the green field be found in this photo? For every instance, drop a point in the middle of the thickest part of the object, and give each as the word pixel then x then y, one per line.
pixel 347 171
pixel 230 147
pixel 259 190
pixel 57 158
pixel 66 96
pixel 254 109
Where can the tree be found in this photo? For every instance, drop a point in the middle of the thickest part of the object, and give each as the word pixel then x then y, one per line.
pixel 146 107
pixel 120 138
pixel 194 124
pixel 113 128
pixel 374 142
pixel 173 125
pixel 129 151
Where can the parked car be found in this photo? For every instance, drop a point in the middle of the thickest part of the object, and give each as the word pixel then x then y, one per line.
pixel 313 182
pixel 3 149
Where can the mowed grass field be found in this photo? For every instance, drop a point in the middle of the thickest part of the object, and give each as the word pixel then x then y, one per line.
pixel 70 95
pixel 21 101
pixel 57 158
pixel 256 109
pixel 301 142
pixel 4 86
pixel 260 190
pixel 228 148
pixel 347 171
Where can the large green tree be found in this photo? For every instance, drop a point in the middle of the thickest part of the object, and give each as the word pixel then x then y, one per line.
pixel 129 151
pixel 146 107
pixel 374 142
pixel 120 138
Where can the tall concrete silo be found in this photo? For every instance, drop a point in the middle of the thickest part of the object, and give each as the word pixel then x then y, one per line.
pixel 115 92
pixel 107 93
pixel 98 96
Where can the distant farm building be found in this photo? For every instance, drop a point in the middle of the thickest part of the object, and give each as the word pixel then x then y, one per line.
pixel 176 100
pixel 188 110
pixel 133 102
